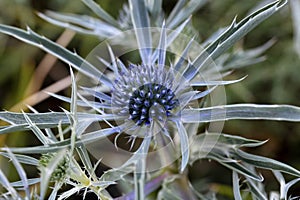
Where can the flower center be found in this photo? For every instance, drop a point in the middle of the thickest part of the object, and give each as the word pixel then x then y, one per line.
pixel 148 95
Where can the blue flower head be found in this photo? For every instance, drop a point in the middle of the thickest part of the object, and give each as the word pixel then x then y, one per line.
pixel 148 98
pixel 154 98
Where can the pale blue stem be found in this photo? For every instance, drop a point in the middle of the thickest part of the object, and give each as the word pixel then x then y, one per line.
pixel 141 168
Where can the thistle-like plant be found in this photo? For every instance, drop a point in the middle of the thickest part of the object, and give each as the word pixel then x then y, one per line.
pixel 159 101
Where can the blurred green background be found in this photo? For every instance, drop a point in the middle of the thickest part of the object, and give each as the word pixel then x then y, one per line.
pixel 274 81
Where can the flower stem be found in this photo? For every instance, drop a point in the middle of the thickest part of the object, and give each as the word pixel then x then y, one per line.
pixel 139 175
pixel 140 180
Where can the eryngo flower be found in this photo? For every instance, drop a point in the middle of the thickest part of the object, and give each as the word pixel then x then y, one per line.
pixel 147 99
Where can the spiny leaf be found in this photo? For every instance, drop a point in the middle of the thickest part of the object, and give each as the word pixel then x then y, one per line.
pixel 235 32
pixel 53 147
pixel 81 24
pixel 221 138
pixel 266 163
pixel 235 166
pixel 37 118
pixel 242 111
pixel 60 52
pixel 43 120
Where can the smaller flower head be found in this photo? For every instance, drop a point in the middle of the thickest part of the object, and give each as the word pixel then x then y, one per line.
pixel 61 171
